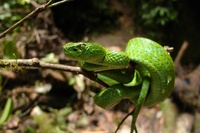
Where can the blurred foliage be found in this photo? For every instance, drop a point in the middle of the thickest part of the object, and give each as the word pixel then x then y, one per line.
pixel 155 17
pixel 10 50
pixel 12 11
pixel 55 122
pixel 158 13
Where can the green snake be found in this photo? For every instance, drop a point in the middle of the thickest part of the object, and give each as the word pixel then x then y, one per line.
pixel 153 73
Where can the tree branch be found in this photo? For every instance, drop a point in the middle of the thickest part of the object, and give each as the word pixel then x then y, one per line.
pixel 35 63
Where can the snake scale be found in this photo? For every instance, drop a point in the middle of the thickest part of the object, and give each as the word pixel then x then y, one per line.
pixel 153 72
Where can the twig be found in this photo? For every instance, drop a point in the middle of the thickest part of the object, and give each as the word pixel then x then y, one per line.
pixel 37 10
pixel 169 49
pixel 177 61
pixel 119 125
pixel 58 3
pixel 34 3
pixel 35 63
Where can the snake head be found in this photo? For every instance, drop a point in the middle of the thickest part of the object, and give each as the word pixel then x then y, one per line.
pixel 83 51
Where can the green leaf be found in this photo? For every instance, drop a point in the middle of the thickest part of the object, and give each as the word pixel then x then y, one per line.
pixel 10 50
pixel 6 111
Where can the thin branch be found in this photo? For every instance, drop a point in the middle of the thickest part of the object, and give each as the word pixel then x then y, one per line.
pixel 180 53
pixel 35 63
pixel 119 125
pixel 36 11
pixel 58 3
pixel 177 62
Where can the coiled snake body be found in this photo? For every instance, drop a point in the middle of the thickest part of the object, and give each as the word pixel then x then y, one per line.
pixel 154 67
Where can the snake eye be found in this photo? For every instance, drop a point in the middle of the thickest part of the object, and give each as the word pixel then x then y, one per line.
pixel 79 47
pixel 82 46
pixel 75 49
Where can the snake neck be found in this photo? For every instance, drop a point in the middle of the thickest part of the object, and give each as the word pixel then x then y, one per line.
pixel 111 60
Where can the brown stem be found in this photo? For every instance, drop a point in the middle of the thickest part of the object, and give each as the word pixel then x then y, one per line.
pixel 177 62
pixel 35 63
